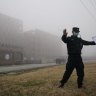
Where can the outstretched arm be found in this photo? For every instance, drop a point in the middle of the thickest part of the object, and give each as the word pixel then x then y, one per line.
pixel 88 42
pixel 64 37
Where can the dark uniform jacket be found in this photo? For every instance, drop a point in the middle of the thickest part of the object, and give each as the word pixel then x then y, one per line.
pixel 75 44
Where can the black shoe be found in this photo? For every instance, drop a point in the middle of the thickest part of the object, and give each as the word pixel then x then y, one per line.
pixel 61 85
pixel 81 87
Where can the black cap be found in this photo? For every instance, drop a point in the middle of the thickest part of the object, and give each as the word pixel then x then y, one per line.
pixel 76 29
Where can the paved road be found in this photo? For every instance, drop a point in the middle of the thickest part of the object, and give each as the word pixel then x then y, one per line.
pixel 5 69
pixel 12 68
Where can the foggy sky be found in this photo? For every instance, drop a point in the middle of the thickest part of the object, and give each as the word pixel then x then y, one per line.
pixel 53 16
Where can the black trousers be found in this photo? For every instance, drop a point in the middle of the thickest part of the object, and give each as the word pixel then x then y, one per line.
pixel 74 62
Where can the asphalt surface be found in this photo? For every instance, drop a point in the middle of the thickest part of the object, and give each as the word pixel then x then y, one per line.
pixel 12 68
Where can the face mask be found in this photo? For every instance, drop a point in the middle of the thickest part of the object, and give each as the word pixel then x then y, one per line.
pixel 75 33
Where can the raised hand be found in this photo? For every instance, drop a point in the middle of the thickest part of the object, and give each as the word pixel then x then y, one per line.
pixel 65 32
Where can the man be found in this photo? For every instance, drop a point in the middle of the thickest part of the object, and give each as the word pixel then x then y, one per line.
pixel 74 47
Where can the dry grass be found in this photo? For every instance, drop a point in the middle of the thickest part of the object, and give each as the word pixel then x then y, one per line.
pixel 44 82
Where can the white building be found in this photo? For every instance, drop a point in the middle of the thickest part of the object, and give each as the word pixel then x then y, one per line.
pixel 40 45
pixel 10 40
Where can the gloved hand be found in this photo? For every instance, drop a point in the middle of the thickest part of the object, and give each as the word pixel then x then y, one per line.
pixel 65 32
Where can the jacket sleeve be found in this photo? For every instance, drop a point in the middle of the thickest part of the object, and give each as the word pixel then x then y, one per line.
pixel 64 38
pixel 88 42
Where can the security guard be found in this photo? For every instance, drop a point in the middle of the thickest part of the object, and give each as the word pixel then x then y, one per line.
pixel 74 47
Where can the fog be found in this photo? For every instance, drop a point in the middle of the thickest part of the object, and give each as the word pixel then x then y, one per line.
pixel 53 16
